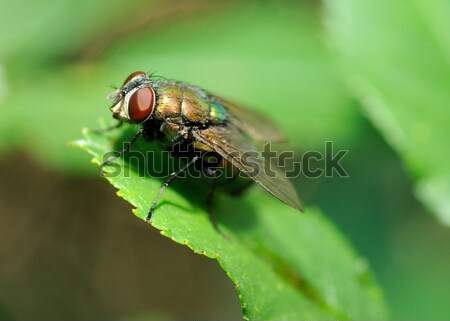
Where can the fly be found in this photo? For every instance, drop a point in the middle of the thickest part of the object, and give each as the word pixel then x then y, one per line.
pixel 173 112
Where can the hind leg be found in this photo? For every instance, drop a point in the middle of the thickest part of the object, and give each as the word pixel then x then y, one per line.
pixel 209 199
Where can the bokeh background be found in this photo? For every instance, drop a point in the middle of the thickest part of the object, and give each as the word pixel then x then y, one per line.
pixel 373 77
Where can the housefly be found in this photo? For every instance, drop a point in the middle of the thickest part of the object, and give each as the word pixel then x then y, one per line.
pixel 173 112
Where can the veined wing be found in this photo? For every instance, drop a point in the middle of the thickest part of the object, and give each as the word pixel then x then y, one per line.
pixel 229 142
pixel 255 125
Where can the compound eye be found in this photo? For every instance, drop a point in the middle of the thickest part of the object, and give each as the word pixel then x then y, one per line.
pixel 134 74
pixel 140 105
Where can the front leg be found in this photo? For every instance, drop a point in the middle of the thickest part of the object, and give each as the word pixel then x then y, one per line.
pixel 167 182
pixel 125 149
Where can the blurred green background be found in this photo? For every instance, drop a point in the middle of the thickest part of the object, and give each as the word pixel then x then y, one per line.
pixel 371 76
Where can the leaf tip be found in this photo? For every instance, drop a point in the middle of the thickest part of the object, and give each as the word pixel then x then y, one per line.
pixel 85 131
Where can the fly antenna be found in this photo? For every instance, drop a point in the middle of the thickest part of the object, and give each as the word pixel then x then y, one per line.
pixel 112 86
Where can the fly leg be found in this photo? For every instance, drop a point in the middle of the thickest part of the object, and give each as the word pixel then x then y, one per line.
pixel 125 149
pixel 209 199
pixel 107 129
pixel 167 182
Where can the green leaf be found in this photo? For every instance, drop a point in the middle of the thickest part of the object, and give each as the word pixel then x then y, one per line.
pixel 284 264
pixel 397 57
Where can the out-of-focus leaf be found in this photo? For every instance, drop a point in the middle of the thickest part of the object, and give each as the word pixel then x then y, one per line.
pixel 397 56
pixel 284 264
pixel 287 72
pixel 42 119
pixel 37 32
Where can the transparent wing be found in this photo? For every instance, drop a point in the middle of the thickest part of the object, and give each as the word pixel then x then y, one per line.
pixel 230 142
pixel 257 126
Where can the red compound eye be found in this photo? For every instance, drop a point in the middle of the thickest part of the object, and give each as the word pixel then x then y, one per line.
pixel 140 105
pixel 134 74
